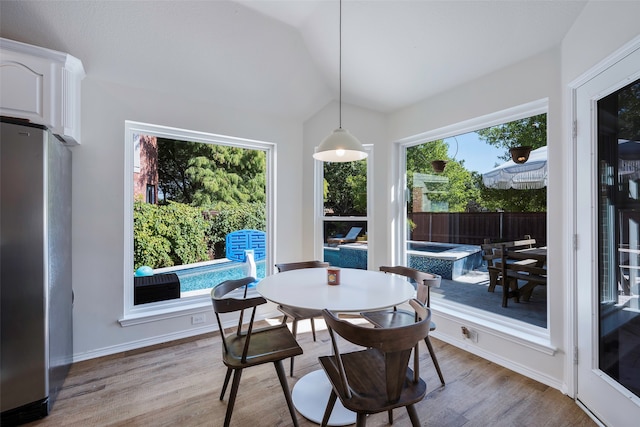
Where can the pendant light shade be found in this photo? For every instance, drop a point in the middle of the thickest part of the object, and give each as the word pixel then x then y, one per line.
pixel 340 145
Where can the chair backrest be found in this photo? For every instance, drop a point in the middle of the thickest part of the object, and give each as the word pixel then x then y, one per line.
pixel 301 264
pixel 395 344
pixel 353 233
pixel 424 281
pixel 492 252
pixel 222 303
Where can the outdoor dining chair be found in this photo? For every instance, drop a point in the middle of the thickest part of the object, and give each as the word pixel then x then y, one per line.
pixel 250 347
pixel 377 378
pixel 393 318
pixel 296 313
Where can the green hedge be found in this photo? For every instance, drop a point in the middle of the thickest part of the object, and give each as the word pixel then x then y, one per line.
pixel 166 235
pixel 177 234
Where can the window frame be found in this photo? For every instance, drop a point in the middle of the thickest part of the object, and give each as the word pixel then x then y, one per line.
pixel 510 328
pixel 150 312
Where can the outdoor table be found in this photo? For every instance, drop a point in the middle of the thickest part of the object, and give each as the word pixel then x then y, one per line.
pixel 537 254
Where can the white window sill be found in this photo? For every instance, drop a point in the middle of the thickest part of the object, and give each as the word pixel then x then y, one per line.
pixel 162 310
pixel 521 333
pixel 189 304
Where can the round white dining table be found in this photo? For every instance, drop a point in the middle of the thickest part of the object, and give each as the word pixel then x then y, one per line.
pixel 359 290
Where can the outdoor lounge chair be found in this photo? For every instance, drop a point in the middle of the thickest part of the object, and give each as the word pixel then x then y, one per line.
pixel 351 237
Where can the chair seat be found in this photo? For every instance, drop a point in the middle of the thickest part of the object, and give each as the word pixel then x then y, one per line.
pixel 266 345
pixel 365 370
pixel 299 313
pixel 392 318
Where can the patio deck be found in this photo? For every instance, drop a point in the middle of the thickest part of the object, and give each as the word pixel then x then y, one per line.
pixel 472 290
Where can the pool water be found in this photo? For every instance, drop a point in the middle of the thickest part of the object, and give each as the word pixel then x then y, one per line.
pixel 425 247
pixel 207 276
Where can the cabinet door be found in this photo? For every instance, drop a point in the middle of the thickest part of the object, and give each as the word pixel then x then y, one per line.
pixel 24 81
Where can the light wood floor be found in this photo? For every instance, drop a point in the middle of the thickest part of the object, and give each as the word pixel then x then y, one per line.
pixel 178 384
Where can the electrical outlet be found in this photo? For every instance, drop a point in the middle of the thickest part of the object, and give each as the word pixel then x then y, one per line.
pixel 469 334
pixel 196 319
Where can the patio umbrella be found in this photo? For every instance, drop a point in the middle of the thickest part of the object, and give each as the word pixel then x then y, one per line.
pixel 524 176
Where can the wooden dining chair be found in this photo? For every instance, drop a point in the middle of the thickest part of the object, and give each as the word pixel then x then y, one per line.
pixel 395 317
pixel 377 378
pixel 247 346
pixel 295 313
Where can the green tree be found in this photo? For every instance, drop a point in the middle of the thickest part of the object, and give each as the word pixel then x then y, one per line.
pixel 530 131
pixel 166 235
pixel 210 175
pixel 345 187
pixel 454 187
pixel 628 106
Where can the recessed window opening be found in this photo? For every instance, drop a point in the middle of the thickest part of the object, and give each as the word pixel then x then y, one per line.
pixel 191 194
pixel 459 218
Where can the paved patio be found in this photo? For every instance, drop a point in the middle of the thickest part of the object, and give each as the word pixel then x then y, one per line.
pixel 472 290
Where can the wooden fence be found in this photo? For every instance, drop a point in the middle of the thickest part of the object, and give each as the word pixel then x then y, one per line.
pixel 472 228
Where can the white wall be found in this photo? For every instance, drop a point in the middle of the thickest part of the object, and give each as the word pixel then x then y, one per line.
pixel 98 211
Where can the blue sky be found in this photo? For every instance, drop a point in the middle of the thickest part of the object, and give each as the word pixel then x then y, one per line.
pixel 477 155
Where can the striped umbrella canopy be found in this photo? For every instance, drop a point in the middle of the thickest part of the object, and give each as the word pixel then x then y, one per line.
pixel 525 176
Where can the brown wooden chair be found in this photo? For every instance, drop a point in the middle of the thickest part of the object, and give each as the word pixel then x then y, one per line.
pixel 394 318
pixel 378 378
pixel 250 347
pixel 296 313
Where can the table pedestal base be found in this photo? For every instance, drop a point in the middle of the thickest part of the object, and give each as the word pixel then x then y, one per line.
pixel 310 396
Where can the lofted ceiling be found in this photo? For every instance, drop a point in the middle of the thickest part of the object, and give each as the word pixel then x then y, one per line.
pixel 280 57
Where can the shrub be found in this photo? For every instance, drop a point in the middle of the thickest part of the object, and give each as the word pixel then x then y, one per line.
pixel 232 218
pixel 171 234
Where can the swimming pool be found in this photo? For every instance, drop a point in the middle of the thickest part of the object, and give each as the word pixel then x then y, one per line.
pixel 210 274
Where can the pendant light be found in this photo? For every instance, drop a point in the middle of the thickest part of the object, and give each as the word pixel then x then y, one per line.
pixel 340 145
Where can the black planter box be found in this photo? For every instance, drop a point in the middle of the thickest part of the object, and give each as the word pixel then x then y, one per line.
pixel 159 287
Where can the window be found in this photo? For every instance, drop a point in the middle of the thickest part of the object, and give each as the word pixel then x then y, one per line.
pixel 185 191
pixel 151 194
pixel 450 214
pixel 343 201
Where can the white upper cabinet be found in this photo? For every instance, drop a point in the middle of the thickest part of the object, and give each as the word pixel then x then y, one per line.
pixel 41 86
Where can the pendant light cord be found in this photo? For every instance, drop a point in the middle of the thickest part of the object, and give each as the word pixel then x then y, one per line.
pixel 340 70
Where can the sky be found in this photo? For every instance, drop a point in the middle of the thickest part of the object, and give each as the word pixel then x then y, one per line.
pixel 477 155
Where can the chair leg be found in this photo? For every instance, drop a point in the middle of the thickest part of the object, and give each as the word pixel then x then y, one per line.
pixel 329 409
pixel 294 332
pixel 285 388
pixel 413 416
pixel 361 420
pixel 237 373
pixel 226 383
pixel 390 413
pixel 313 329
pixel 434 358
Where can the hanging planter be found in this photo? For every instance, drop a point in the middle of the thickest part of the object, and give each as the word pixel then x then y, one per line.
pixel 520 155
pixel 439 165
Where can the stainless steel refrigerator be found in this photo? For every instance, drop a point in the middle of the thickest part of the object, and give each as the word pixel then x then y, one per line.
pixel 36 297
